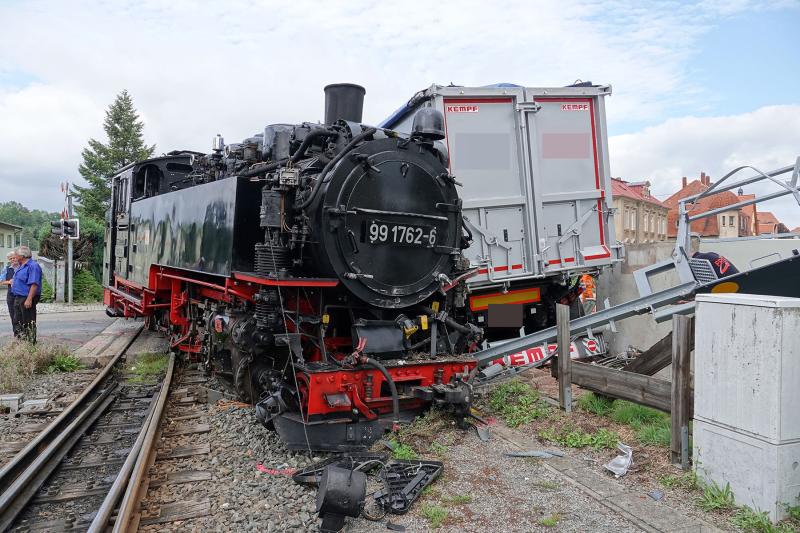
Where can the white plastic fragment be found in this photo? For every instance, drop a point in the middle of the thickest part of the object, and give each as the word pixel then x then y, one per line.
pixel 620 464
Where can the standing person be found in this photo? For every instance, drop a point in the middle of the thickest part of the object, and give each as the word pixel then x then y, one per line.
pixel 5 279
pixel 588 296
pixel 27 287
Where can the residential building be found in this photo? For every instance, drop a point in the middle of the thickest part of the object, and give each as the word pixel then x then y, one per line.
pixel 639 217
pixel 750 211
pixel 731 223
pixel 769 223
pixel 10 237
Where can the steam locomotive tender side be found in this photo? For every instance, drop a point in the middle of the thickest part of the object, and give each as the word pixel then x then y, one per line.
pixel 310 264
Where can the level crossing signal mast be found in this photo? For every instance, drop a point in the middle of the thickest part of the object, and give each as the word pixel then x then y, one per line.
pixel 69 229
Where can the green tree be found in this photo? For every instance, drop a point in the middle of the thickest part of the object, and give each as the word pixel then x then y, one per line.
pixel 31 221
pixel 101 161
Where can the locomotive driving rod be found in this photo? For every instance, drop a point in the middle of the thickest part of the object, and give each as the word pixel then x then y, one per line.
pixel 579 325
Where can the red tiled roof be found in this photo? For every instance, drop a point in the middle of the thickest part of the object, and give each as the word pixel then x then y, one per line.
pixel 633 190
pixel 706 227
pixel 766 217
pixel 796 230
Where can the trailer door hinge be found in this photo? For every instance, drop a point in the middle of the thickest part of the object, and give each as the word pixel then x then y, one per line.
pixel 532 107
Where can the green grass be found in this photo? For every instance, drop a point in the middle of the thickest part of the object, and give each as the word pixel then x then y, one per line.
pixel 403 451
pixel 20 360
pixel 438 448
pixel 687 481
pixel 651 427
pixel 517 403
pixel 550 521
pixel 716 498
pixel 750 520
pixel 794 512
pixel 434 514
pixel 576 438
pixel 147 366
pixel 458 499
pixel 599 405
pixel 547 485
pixel 63 363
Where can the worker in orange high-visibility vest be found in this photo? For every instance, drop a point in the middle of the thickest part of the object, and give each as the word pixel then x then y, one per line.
pixel 588 296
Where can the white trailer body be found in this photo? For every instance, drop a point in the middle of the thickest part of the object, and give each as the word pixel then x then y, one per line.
pixel 536 184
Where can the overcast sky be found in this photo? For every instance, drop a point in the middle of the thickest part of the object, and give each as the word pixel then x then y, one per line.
pixel 701 87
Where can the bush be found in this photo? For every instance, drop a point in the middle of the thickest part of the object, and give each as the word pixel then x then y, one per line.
pixel 85 288
pixel 48 295
pixel 517 403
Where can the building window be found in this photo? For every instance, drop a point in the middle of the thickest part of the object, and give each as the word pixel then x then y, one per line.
pixel 723 220
pixel 8 240
pixel 730 220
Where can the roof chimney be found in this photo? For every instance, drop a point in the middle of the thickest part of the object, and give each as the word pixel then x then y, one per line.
pixel 684 182
pixel 703 178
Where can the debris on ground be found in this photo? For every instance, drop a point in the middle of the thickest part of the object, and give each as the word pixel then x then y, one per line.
pixel 620 464
pixel 541 454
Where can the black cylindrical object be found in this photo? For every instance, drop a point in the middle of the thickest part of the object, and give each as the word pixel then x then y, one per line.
pixel 341 491
pixel 344 101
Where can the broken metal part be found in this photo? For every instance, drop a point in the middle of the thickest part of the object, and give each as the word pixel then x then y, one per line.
pixel 361 462
pixel 405 481
pixel 341 493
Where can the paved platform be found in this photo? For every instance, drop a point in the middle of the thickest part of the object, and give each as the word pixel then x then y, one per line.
pixel 108 343
pixel 49 308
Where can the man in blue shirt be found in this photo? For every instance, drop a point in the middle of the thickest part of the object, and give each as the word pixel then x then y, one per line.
pixel 5 279
pixel 27 287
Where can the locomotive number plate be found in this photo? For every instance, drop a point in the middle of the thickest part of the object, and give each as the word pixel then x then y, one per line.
pixel 380 232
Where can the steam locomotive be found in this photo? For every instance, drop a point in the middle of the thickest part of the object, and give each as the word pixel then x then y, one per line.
pixel 319 267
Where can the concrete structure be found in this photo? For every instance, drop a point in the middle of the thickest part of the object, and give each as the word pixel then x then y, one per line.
pixel 747 368
pixel 640 218
pixel 10 237
pixel 733 223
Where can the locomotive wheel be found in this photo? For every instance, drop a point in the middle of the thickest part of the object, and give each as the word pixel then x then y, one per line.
pixel 241 377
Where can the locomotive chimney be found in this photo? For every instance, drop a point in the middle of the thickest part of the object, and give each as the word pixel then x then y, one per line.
pixel 344 101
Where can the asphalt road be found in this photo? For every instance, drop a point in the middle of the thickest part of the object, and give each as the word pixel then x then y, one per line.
pixel 72 329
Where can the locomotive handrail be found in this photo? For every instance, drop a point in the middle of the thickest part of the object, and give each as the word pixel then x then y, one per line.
pixel 398 213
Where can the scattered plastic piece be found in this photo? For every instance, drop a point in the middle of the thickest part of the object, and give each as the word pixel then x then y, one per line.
pixel 275 471
pixel 395 527
pixel 620 464
pixel 542 454
pixel 405 481
pixel 657 495
pixel 483 433
pixel 358 461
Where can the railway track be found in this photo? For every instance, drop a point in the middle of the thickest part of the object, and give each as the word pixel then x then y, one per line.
pixel 74 475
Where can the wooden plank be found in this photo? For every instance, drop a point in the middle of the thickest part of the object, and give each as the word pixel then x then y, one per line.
pixel 69 495
pixel 185 417
pixel 183 476
pixel 564 359
pixel 657 357
pixel 188 430
pixel 172 512
pixel 645 390
pixel 185 399
pixel 194 379
pixel 185 451
pixel 681 393
pixel 11 447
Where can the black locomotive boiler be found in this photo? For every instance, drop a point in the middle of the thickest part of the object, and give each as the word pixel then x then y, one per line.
pixel 317 266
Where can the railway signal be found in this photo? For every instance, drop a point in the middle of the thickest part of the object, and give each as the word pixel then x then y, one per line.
pixel 71 228
pixel 57 228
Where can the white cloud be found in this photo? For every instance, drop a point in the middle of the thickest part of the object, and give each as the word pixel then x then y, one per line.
pixel 196 69
pixel 767 138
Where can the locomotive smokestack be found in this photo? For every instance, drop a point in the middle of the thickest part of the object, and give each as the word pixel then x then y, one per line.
pixel 344 101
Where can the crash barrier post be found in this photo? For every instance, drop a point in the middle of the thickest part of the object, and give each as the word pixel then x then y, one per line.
pixel 564 359
pixel 681 390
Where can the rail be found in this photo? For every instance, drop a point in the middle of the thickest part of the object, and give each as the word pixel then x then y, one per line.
pixel 25 473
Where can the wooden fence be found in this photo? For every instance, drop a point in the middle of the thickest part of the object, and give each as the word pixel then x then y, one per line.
pixel 675 397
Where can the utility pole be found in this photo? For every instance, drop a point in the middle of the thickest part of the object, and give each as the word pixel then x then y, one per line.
pixel 69 251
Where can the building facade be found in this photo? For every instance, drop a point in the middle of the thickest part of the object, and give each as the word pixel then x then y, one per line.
pixel 10 238
pixel 639 217
pixel 726 224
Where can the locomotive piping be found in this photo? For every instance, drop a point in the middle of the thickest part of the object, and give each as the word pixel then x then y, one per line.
pixel 322 175
pixel 299 153
pixel 449 321
pixel 368 361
